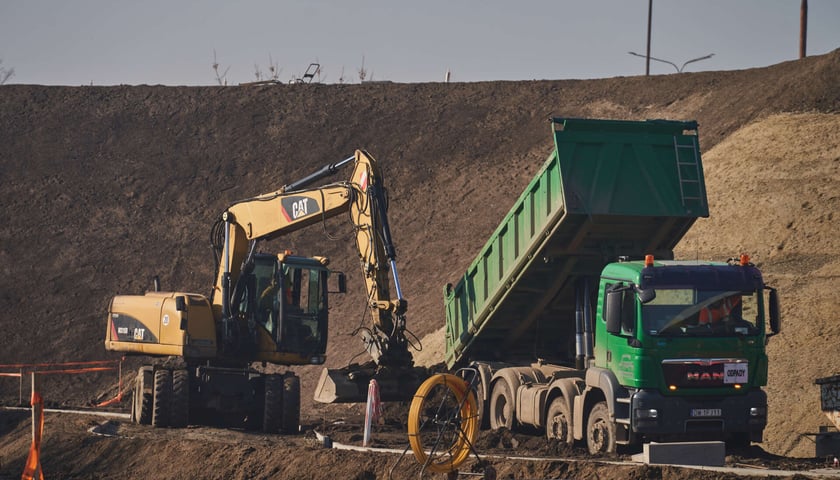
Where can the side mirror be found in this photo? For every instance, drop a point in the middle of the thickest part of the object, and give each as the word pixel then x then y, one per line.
pixel 645 295
pixel 775 313
pixel 612 311
pixel 341 280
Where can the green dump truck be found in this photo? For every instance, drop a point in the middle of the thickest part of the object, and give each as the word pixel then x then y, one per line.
pixel 575 319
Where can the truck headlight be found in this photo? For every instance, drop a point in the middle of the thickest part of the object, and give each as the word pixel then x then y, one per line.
pixel 645 413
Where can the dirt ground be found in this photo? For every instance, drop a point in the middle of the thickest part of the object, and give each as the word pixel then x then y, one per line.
pixel 80 447
pixel 105 187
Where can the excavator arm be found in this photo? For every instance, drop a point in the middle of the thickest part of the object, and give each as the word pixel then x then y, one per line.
pixel 296 206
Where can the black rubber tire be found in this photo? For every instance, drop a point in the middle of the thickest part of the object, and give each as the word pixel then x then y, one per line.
pixel 483 406
pixel 559 422
pixel 501 406
pixel 161 398
pixel 135 395
pixel 600 430
pixel 291 404
pixel 179 413
pixel 142 401
pixel 482 403
pixel 273 404
pixel 254 418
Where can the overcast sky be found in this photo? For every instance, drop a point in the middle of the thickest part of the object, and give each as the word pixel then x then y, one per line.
pixel 170 42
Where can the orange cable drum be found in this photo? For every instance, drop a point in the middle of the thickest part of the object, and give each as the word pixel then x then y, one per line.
pixel 455 424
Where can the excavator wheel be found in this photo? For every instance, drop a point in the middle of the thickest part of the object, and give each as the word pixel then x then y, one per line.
pixel 180 401
pixel 254 418
pixel 273 406
pixel 161 398
pixel 291 404
pixel 141 409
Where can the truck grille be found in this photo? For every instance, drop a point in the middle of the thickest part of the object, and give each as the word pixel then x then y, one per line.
pixel 697 373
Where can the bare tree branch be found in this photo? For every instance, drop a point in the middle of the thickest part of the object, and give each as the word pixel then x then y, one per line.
pixel 5 73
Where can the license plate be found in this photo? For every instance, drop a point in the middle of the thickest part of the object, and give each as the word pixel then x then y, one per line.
pixel 706 412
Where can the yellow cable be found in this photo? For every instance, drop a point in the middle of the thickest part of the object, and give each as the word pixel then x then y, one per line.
pixel 454 454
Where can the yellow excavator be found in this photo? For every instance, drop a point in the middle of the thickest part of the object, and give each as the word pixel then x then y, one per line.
pixel 268 308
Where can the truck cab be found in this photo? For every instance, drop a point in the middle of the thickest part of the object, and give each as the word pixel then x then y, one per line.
pixel 685 341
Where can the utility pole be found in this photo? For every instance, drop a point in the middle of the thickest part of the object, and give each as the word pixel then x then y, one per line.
pixel 650 17
pixel 803 27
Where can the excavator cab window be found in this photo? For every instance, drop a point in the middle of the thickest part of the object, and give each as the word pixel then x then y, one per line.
pixel 303 303
pixel 291 303
pixel 267 289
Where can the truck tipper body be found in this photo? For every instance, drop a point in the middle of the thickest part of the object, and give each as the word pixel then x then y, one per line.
pixel 574 318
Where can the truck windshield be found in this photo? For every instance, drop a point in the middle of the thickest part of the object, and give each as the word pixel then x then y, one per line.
pixel 691 312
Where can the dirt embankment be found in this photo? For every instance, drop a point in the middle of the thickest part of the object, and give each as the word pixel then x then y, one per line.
pixel 104 187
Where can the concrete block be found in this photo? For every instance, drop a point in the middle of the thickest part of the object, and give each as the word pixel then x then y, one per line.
pixel 710 454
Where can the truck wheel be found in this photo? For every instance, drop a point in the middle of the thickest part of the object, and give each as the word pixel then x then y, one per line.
pixel 483 406
pixel 162 396
pixel 291 404
pixel 482 401
pixel 600 431
pixel 501 406
pixel 273 405
pixel 559 422
pixel 180 402
pixel 142 406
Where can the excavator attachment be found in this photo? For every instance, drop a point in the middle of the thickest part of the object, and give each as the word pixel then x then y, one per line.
pixel 350 384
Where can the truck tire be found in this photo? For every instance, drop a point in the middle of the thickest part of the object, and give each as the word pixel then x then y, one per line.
pixel 180 402
pixel 141 411
pixel 600 430
pixel 501 406
pixel 273 404
pixel 291 404
pixel 559 422
pixel 482 405
pixel 162 396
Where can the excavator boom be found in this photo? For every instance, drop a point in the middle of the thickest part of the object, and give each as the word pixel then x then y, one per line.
pixel 296 206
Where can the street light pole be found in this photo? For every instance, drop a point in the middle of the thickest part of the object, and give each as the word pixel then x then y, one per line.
pixel 803 27
pixel 650 17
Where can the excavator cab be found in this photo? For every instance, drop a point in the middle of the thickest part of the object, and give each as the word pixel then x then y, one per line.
pixel 285 302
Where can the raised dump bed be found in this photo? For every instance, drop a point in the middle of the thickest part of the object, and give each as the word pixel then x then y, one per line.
pixel 608 189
